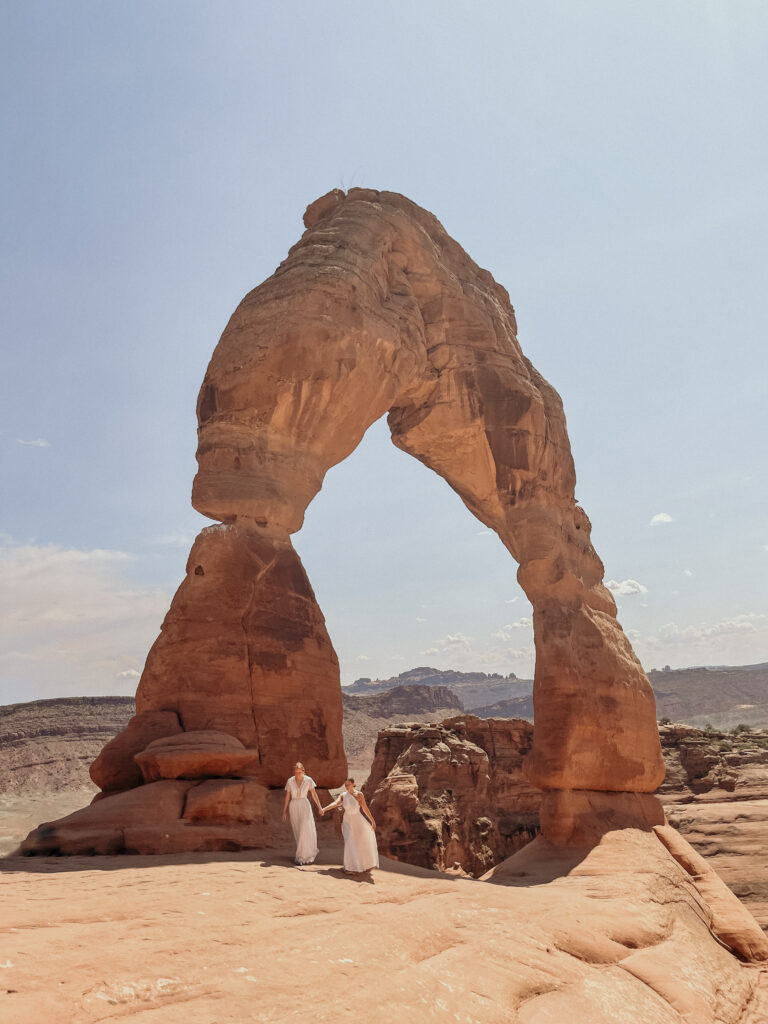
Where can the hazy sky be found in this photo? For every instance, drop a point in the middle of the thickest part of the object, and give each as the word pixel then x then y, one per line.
pixel 605 161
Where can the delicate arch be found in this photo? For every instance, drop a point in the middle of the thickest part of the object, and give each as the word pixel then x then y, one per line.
pixel 376 309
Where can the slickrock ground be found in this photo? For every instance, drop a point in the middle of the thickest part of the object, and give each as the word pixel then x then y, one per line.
pixel 613 936
pixel 716 795
pixel 454 795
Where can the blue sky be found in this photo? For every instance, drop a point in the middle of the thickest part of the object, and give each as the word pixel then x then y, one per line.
pixel 606 162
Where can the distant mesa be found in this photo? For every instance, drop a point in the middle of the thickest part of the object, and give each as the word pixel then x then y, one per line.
pixel 374 311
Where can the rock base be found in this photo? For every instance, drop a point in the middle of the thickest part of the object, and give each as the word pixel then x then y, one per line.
pixel 581 817
pixel 173 816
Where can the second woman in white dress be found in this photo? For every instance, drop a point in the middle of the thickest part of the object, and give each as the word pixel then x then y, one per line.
pixel 360 851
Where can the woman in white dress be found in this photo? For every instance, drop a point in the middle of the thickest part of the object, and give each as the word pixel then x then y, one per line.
pixel 360 851
pixel 298 790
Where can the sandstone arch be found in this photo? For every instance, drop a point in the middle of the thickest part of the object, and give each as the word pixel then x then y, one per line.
pixel 377 310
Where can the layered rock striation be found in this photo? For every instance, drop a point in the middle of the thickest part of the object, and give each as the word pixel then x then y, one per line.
pixel 454 796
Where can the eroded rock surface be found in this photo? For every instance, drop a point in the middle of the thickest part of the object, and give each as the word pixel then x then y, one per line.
pixel 454 795
pixel 428 802
pixel 375 311
pixel 716 795
pixel 614 935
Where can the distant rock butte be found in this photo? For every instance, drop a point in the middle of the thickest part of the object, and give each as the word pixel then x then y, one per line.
pixel 376 310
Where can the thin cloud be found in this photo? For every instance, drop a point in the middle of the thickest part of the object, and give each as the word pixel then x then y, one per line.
pixel 508 632
pixel 659 518
pixel 129 673
pixel 419 619
pixel 687 572
pixel 624 588
pixel 36 442
pixel 71 619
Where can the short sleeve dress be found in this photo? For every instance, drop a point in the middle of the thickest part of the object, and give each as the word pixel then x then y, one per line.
pixel 302 819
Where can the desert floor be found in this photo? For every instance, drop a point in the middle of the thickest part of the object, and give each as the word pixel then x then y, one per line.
pixel 611 935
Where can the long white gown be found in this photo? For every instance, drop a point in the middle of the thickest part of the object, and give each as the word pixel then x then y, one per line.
pixel 360 851
pixel 302 820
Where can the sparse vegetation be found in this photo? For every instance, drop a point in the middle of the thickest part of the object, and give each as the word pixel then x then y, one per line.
pixel 741 728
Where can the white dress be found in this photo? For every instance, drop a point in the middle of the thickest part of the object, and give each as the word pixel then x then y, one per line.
pixel 302 820
pixel 360 852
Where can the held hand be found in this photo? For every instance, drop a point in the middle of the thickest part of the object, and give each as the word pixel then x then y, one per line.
pixel 322 811
pixel 284 815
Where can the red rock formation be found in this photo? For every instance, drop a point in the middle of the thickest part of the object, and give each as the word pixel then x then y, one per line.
pixel 377 310
pixel 173 816
pixel 115 768
pixel 453 795
pixel 244 651
pixel 197 755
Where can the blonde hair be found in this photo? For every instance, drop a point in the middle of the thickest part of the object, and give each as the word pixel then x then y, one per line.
pixel 299 765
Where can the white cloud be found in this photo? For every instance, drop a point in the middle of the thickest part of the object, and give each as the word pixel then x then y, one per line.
pixel 660 517
pixel 687 572
pixel 37 442
pixel 484 533
pixel 457 640
pixel 626 587
pixel 71 619
pixel 512 600
pixel 736 625
pixel 129 673
pixel 419 619
pixel 508 632
pixel 765 547
pixel 362 657
pixel 733 640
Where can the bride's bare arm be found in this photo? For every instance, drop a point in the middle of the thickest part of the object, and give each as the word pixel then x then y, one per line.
pixel 336 803
pixel 316 798
pixel 285 803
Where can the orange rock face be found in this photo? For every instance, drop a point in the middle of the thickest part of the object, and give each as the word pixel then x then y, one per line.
pixel 197 755
pixel 453 795
pixel 244 651
pixel 375 311
pixel 115 768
